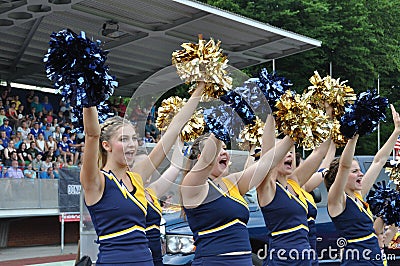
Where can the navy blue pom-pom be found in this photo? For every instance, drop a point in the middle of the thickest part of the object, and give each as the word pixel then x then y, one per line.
pixel 251 93
pixel 273 87
pixel 364 115
pixel 384 202
pixel 235 101
pixel 103 112
pixel 76 66
pixel 223 122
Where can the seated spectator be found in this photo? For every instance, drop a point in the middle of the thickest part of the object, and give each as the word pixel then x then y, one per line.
pixel 7 153
pixel 148 138
pixel 36 162
pixel 56 171
pixel 52 153
pixel 51 143
pixel 21 112
pixel 14 171
pixel 5 140
pixel 6 127
pixel 2 115
pixel 3 171
pixel 12 115
pixel 29 172
pixel 41 143
pixel 36 130
pixel 32 150
pixel 48 174
pixel 49 117
pixel 29 97
pixel 37 105
pixel 74 147
pixel 17 139
pixel 16 101
pixel 45 164
pixel 24 157
pixel 31 115
pixel 47 106
pixel 57 135
pixel 63 147
pixel 24 130
pixel 150 127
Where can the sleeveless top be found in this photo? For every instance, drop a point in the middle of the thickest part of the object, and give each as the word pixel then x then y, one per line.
pixel 286 218
pixel 153 221
pixel 119 219
pixel 311 216
pixel 355 225
pixel 219 223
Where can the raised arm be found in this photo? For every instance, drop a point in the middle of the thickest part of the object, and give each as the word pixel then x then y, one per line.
pixel 381 156
pixel 90 172
pixel 310 165
pixel 336 196
pixel 255 174
pixel 193 183
pixel 164 182
pixel 318 177
pixel 268 138
pixel 146 167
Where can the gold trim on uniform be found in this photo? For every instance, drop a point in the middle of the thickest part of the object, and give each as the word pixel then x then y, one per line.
pixel 122 232
pixel 219 228
pixel 289 230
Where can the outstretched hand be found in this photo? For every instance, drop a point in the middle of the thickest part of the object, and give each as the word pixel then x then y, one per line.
pixel 396 118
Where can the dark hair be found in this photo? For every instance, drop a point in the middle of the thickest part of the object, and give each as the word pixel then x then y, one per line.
pixel 330 175
pixel 298 159
pixel 195 151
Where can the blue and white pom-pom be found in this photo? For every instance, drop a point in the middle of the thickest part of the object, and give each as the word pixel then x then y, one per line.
pixel 222 122
pixel 236 102
pixel 76 66
pixel 273 87
pixel 363 116
pixel 251 93
pixel 384 202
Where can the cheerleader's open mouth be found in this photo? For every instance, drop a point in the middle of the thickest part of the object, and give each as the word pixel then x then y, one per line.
pixel 288 163
pixel 223 162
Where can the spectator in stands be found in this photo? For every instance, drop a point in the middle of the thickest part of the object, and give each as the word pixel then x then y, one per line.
pixel 36 130
pixel 45 164
pixel 32 150
pixel 4 138
pixel 150 127
pixel 60 117
pixel 24 157
pixel 21 111
pixel 148 138
pixel 36 162
pixel 29 172
pixel 47 106
pixel 16 101
pixel 6 127
pixel 37 105
pixel 74 147
pixel 3 171
pixel 17 139
pixel 7 153
pixel 51 152
pixel 31 116
pixel 14 171
pixel 63 147
pixel 2 115
pixel 121 107
pixel 12 115
pixel 57 135
pixel 4 96
pixel 56 170
pixel 41 143
pixel 29 97
pixel 51 143
pixel 24 130
pixel 49 117
pixel 48 174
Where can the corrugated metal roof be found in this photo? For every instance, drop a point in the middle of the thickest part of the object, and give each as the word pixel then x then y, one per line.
pixel 150 31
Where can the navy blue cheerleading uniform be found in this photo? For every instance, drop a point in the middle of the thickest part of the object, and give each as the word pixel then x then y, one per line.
pixel 219 227
pixel 286 218
pixel 311 216
pixel 355 224
pixel 119 218
pixel 153 221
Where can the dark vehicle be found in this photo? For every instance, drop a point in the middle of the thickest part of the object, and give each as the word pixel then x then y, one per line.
pixel 179 240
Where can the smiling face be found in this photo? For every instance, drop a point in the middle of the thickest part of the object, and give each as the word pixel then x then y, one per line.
pixel 354 181
pixel 123 145
pixel 222 163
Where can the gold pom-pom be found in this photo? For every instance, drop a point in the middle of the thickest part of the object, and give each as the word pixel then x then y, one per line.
pixel 306 125
pixel 336 135
pixel 394 172
pixel 252 134
pixel 329 90
pixel 204 61
pixel 194 127
pixel 168 109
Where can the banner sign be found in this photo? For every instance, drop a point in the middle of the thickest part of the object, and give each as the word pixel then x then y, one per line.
pixel 69 190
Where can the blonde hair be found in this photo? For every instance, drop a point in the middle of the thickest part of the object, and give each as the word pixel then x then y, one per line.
pixel 108 129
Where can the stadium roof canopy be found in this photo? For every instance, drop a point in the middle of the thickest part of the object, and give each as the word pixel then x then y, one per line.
pixel 148 31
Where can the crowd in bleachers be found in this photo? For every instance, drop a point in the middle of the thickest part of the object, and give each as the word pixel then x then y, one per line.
pixel 37 137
